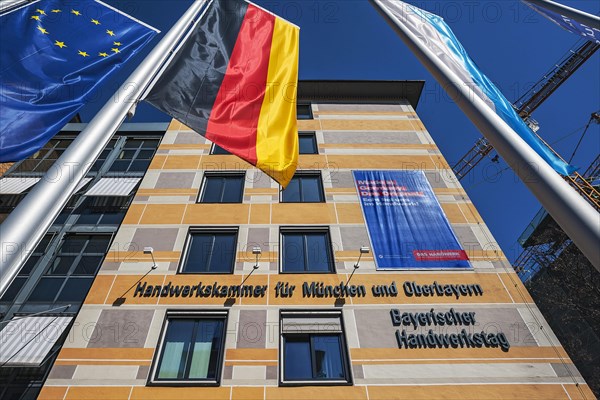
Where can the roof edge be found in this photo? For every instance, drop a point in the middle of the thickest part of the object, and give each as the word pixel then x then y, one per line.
pixel 361 91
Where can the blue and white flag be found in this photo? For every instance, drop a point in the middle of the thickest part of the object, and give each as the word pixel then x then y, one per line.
pixel 54 54
pixel 569 24
pixel 439 38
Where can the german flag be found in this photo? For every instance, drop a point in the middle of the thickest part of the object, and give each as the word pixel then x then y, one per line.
pixel 234 80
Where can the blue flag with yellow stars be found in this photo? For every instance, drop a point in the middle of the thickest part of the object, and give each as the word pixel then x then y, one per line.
pixel 54 54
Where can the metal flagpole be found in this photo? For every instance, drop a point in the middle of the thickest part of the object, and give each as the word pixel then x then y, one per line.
pixel 6 5
pixel 583 18
pixel 28 222
pixel 579 220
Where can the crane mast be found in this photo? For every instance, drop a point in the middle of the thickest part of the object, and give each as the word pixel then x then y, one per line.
pixel 530 101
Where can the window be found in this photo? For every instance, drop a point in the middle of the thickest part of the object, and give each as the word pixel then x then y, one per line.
pixel 192 348
pixel 136 155
pixel 305 187
pixel 104 155
pixel 218 150
pixel 71 272
pixel 308 143
pixel 223 188
pixel 304 111
pixel 103 210
pixel 313 348
pixel 42 160
pixel 210 252
pixel 306 251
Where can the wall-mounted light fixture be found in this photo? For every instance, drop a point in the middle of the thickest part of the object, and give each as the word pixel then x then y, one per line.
pixel 363 250
pixel 257 251
pixel 150 250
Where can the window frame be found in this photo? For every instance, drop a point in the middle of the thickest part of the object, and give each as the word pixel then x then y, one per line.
pixel 313 136
pixel 219 229
pixel 308 116
pixel 130 171
pixel 220 174
pixel 303 230
pixel 70 276
pixel 158 353
pixel 310 314
pixel 306 173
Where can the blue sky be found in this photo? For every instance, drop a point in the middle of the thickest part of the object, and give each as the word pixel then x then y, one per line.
pixel 512 44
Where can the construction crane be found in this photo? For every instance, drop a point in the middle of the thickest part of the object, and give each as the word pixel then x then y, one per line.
pixel 531 100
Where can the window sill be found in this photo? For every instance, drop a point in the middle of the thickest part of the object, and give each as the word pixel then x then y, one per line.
pixel 183 383
pixel 316 383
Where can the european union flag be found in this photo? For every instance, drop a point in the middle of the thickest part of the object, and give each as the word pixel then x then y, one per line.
pixel 54 55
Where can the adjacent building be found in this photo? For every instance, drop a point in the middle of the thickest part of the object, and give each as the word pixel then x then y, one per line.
pixel 217 284
pixel 564 285
pixel 43 300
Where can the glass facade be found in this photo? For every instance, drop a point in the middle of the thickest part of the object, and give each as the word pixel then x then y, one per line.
pixel 60 272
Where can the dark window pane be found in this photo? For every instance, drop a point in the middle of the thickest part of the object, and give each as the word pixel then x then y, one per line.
pixel 317 249
pixel 293 253
pixel 291 194
pixel 127 154
pixel 328 357
pixel 26 270
pixel 89 218
pixel 97 244
pixel 61 265
pixel 223 253
pixel 151 143
pixel 304 188
pixel 307 143
pixel 304 111
pixel 133 143
pixel 139 166
pixel 88 265
pixel 234 189
pixel 199 253
pixel 13 289
pixel 120 165
pixel 44 166
pixel 306 252
pixel 46 290
pixel 145 154
pixel 74 244
pixel 75 290
pixel 112 218
pixel 311 189
pixel 213 190
pixel 223 189
pixel 297 358
pixel 219 150
pixel 211 253
pixel 178 340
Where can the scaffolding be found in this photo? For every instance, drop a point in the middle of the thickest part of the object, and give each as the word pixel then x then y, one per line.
pixel 543 241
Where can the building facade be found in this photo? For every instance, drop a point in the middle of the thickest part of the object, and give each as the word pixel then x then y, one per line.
pixel 219 285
